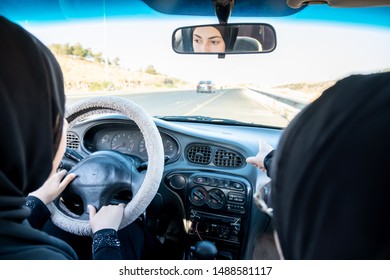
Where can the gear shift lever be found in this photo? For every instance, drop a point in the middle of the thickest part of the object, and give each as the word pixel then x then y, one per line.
pixel 204 250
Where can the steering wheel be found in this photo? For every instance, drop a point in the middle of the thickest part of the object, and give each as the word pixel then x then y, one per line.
pixel 103 173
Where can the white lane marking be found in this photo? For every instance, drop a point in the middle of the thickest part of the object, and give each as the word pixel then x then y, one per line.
pixel 200 106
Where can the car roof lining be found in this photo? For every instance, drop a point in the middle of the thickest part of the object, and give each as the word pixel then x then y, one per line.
pixel 242 8
pixel 62 10
pixel 253 8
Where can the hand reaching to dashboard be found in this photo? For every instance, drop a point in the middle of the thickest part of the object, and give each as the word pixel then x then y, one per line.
pixel 53 186
pixel 108 217
pixel 258 160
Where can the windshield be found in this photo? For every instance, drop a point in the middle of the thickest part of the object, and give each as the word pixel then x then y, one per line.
pixel 133 58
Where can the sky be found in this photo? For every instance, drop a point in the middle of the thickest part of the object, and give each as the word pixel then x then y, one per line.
pixel 306 51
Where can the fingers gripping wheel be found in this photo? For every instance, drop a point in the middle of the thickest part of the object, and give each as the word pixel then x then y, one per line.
pixel 148 188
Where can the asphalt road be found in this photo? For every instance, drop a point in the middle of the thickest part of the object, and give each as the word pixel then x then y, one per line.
pixel 238 104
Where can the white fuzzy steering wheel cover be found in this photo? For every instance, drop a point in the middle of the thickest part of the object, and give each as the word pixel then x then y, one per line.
pixel 154 148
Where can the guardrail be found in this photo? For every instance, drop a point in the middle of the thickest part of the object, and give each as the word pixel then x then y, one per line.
pixel 294 102
pixel 286 107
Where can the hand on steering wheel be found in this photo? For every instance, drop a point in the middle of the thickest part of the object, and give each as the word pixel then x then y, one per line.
pixel 109 216
pixel 102 175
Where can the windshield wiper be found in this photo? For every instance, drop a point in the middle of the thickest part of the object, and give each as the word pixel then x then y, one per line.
pixel 202 119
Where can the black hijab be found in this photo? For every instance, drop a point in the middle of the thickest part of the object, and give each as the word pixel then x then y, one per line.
pixel 228 33
pixel 330 174
pixel 32 108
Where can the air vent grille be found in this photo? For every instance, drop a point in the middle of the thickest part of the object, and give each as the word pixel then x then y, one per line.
pixel 199 154
pixel 227 159
pixel 72 140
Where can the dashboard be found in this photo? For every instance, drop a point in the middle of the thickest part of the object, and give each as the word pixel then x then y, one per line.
pixel 207 186
pixel 127 139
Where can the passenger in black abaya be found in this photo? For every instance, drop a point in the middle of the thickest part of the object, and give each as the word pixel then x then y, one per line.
pixel 329 174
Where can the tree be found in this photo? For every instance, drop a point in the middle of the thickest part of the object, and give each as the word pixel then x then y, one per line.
pixel 78 50
pixel 98 57
pixel 151 70
pixel 57 48
pixel 68 49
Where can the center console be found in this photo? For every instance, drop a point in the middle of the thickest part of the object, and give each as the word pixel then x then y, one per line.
pixel 217 209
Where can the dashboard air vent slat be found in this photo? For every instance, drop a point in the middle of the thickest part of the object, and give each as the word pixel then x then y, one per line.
pixel 199 154
pixel 227 158
pixel 72 140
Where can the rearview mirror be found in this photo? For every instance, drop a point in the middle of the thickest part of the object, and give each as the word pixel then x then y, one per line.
pixel 224 39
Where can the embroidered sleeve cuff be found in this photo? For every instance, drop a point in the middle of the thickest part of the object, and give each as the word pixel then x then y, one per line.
pixel 105 238
pixel 39 212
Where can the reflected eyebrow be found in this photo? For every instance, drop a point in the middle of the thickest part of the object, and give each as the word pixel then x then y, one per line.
pixel 213 37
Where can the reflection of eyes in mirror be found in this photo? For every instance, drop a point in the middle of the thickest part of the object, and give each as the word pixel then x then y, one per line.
pixel 226 38
pixel 208 39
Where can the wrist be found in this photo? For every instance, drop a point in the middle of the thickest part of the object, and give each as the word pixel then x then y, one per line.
pixel 38 196
pixel 106 237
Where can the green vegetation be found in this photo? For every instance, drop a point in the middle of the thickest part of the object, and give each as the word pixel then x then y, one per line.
pixel 85 71
pixel 151 70
pixel 80 52
pixel 100 86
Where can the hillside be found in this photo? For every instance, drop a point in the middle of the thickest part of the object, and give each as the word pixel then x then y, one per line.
pixel 305 91
pixel 308 91
pixel 82 75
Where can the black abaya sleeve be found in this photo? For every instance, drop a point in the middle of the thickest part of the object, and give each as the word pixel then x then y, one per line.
pixel 39 212
pixel 106 245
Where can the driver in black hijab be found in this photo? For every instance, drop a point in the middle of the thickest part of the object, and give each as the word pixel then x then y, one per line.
pixel 32 104
pixel 227 33
pixel 32 109
pixel 330 181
